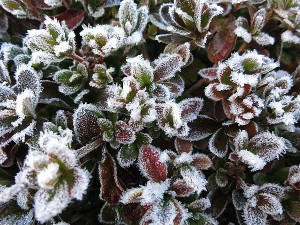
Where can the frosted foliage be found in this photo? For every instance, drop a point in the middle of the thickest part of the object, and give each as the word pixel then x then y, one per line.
pixel 25 104
pixel 243 33
pixel 161 213
pixel 252 160
pixel 153 192
pixel 128 16
pixel 4 75
pixel 271 205
pixel 47 206
pixel 46 178
pixel 46 169
pixel 131 195
pixel 53 3
pixel 205 8
pixel 252 216
pixel 269 146
pixel 55 39
pixel 27 78
pixel 194 178
pixel 18 9
pixel 289 37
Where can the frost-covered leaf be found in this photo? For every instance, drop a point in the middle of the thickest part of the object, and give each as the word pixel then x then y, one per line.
pixel 128 16
pixel 183 146
pixel 16 8
pixel 182 188
pixel 132 195
pixel 72 18
pixel 190 108
pixel 85 123
pixel 160 213
pixel 194 178
pixel 10 213
pixel 253 216
pixel 208 73
pixel 201 161
pixel 110 189
pixel 223 43
pixel 108 214
pixel 4 75
pixel 218 143
pixel 238 199
pixel 200 204
pixel 124 133
pixel 127 155
pixel 27 78
pixel 267 145
pixel 269 204
pixel 47 206
pixel 150 164
pixel 201 128
pixel 167 67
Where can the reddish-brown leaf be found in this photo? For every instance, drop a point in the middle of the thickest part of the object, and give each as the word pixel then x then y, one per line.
pixel 110 189
pixel 181 188
pixel 124 133
pixel 208 73
pixel 73 18
pixel 223 42
pixel 183 145
pixel 201 161
pixel 150 164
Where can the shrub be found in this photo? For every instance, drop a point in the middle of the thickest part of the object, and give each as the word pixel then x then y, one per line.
pixel 151 112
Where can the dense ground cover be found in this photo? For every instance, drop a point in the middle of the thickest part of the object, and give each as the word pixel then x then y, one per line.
pixel 149 112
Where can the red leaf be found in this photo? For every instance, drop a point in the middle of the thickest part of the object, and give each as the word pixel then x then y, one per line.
pixel 209 73
pixel 73 18
pixel 111 188
pixel 183 146
pixel 182 188
pixel 223 42
pixel 190 108
pixel 151 165
pixel 124 133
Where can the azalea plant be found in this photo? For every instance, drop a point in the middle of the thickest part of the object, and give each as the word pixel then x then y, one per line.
pixel 151 112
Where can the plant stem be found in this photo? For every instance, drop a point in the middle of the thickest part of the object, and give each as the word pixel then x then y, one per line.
pixel 75 57
pixel 242 48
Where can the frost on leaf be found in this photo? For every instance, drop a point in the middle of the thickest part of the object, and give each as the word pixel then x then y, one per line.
pixel 254 30
pixel 253 216
pixel 51 164
pixel 194 178
pixel 124 133
pixel 190 108
pixel 218 143
pixel 27 78
pixel 55 39
pixel 150 164
pixel 16 8
pixel 4 75
pixel 167 67
pixel 71 81
pixel 260 149
pixel 85 123
pixel 111 188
